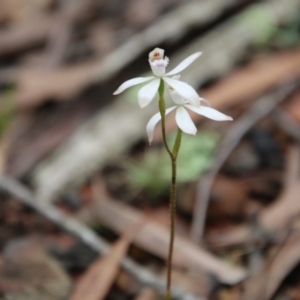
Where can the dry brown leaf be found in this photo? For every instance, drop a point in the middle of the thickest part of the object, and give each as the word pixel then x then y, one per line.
pixel 97 281
pixel 264 284
pixel 36 275
pixel 230 294
pixel 29 142
pixel 22 12
pixel 273 219
pixel 142 12
pixel 197 283
pixel 229 198
pixel 35 31
pixel 160 215
pixel 60 83
pixel 293 107
pixel 146 294
pixel 102 38
pixel 154 238
pixel 279 215
pixel 3 154
pixel 287 207
pixel 24 37
pixel 4 12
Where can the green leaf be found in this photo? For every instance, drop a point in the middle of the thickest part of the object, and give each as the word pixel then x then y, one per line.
pixel 261 23
pixel 152 172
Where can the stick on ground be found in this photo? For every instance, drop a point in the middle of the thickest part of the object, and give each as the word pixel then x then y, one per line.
pixel 87 236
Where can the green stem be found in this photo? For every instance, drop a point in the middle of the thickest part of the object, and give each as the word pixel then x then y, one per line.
pixel 177 143
pixel 172 226
pixel 173 156
pixel 162 109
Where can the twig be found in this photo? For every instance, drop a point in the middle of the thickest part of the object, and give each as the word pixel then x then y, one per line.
pixel 34 34
pixel 293 166
pixel 239 128
pixel 175 24
pixel 261 283
pixel 284 120
pixel 154 238
pixel 61 31
pixel 87 236
pixel 272 221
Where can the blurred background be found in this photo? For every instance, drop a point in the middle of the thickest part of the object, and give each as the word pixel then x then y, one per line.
pixel 84 198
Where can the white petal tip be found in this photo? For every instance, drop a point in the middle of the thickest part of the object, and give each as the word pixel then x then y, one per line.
pixel 176 77
pixel 116 92
pixel 197 54
pixel 142 105
pixel 150 138
pixel 193 133
pixel 143 102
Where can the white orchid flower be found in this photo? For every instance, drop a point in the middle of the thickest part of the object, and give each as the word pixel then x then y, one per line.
pixel 158 65
pixel 182 116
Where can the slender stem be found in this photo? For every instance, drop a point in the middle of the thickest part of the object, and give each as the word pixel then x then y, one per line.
pixel 177 143
pixel 173 157
pixel 162 109
pixel 172 226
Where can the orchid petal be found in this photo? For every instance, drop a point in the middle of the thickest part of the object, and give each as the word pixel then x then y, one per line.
pixel 127 84
pixel 184 121
pixel 158 67
pixel 184 90
pixel 205 101
pixel 176 97
pixel 184 64
pixel 153 121
pixel 147 92
pixel 176 77
pixel 209 113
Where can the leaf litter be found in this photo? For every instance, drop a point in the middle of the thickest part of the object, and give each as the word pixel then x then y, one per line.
pixel 51 76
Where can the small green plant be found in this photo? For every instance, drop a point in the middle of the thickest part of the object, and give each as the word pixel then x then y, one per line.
pixel 288 35
pixel 151 172
pixel 267 32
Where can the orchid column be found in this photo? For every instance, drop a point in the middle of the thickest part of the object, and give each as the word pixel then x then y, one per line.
pixel 184 97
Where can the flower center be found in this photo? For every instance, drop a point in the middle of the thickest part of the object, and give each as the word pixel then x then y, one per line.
pixel 156 54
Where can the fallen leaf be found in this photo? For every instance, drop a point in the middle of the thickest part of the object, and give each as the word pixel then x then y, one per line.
pixel 293 107
pixel 36 275
pixel 98 279
pixel 229 199
pixel 264 284
pixel 146 294
pixel 274 219
pixel 3 154
pixel 61 83
pixel 197 283
pixel 154 238
pixel 161 216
